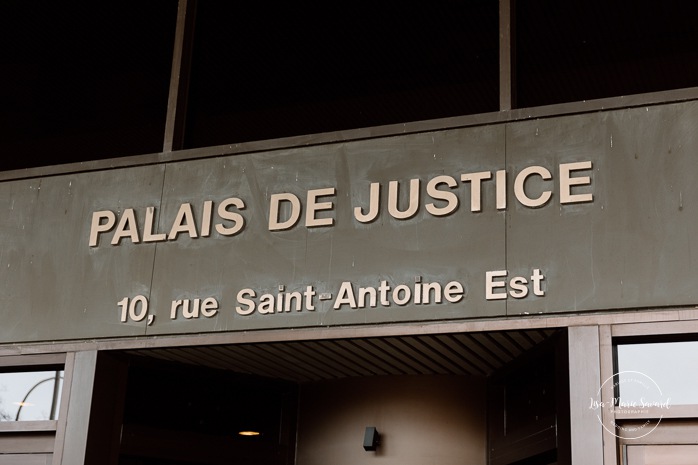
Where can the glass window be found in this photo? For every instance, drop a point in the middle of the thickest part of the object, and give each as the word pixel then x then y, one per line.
pixel 588 49
pixel 261 73
pixel 30 395
pixel 83 80
pixel 658 373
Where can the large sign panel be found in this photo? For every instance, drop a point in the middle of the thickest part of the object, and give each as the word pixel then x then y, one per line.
pixel 568 214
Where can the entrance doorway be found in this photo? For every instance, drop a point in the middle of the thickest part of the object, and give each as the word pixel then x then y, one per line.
pixel 312 401
pixel 147 411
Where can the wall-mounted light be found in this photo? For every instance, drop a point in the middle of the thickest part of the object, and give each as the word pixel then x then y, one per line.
pixel 371 438
pixel 249 433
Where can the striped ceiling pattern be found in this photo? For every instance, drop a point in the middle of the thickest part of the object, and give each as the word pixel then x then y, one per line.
pixel 474 354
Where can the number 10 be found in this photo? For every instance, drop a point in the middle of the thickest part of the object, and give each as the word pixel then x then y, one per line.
pixel 136 309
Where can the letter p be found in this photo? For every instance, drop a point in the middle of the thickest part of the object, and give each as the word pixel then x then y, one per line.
pixel 99 226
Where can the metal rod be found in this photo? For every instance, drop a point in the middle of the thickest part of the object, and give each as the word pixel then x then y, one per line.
pixel 54 401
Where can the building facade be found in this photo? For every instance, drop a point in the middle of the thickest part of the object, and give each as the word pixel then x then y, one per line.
pixel 509 281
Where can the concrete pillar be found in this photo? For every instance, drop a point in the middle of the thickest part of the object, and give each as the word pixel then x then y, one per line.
pixel 586 432
pixel 73 440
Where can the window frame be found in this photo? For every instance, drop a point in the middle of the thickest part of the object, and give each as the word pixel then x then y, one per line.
pixel 643 333
pixel 32 363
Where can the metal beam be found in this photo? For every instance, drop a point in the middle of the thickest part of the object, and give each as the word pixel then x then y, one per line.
pixel 179 80
pixel 507 54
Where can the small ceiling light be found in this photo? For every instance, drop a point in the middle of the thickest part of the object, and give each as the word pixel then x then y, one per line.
pixel 249 433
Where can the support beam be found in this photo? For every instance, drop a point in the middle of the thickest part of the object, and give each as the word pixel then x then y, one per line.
pixel 73 440
pixel 179 80
pixel 507 54
pixel 607 394
pixel 586 431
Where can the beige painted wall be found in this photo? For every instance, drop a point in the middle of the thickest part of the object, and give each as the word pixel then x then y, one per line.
pixel 422 420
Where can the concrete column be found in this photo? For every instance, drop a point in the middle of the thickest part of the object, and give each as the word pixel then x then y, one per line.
pixel 72 449
pixel 586 432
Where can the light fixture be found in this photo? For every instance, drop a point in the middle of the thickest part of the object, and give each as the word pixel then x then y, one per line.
pixel 24 404
pixel 371 438
pixel 249 433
